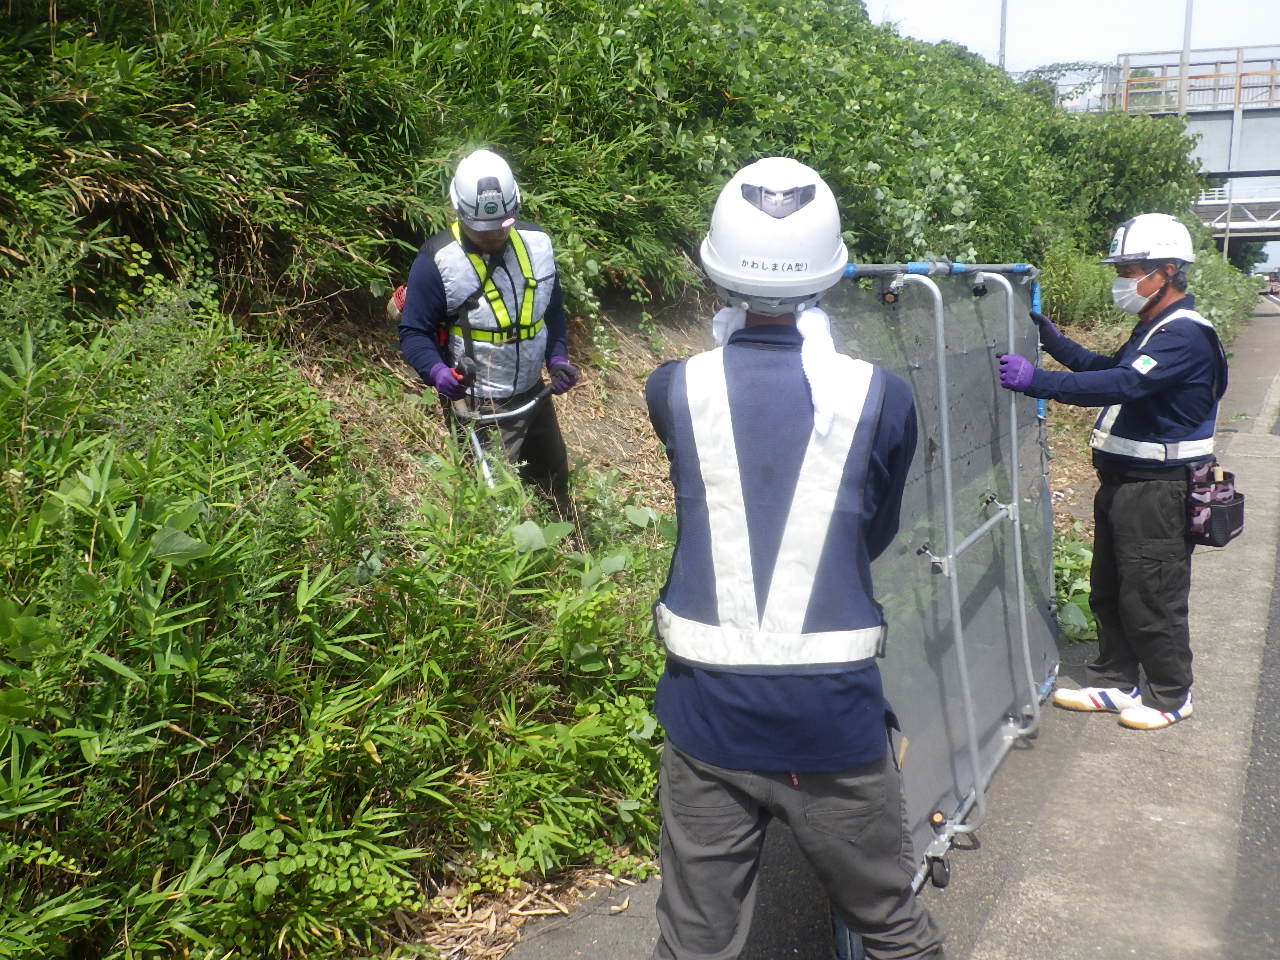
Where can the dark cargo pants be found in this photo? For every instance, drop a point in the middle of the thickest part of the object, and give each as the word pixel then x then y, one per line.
pixel 1140 582
pixel 850 825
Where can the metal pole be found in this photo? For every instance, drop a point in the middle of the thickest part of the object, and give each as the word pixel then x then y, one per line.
pixel 1004 20
pixel 951 571
pixel 1029 722
pixel 1233 150
pixel 1186 60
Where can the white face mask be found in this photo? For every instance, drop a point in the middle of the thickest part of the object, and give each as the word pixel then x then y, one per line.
pixel 1124 293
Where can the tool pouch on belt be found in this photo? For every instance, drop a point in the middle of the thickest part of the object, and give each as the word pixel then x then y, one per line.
pixel 1215 508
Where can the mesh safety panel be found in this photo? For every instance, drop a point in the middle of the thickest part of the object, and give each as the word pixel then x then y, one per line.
pixel 921 667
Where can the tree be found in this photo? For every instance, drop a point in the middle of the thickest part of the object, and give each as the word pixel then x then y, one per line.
pixel 1245 255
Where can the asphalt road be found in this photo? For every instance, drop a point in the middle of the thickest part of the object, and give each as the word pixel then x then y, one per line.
pixel 1253 924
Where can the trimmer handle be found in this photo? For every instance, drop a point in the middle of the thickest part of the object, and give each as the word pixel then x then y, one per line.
pixel 465 370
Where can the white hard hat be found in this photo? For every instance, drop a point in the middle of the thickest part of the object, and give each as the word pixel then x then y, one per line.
pixel 484 192
pixel 774 244
pixel 1151 236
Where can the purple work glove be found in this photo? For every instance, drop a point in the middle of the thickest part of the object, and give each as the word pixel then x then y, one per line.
pixel 446 382
pixel 1049 332
pixel 564 375
pixel 1015 372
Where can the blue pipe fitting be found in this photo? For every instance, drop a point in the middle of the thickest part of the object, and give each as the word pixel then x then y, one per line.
pixel 1042 406
pixel 937 268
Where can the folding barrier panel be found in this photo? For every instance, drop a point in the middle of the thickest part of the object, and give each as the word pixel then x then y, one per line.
pixel 967 585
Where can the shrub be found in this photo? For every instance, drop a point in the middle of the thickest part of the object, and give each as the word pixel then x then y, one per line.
pixel 291 152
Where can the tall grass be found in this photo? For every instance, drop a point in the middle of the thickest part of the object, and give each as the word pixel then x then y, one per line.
pixel 249 706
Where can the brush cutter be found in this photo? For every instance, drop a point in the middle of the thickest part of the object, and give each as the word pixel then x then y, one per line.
pixel 467 411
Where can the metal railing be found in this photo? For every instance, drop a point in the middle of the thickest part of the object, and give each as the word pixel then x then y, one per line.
pixel 1207 91
pixel 1215 79
pixel 1237 193
pixel 1243 217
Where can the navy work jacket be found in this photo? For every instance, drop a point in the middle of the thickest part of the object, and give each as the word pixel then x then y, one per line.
pixel 1168 389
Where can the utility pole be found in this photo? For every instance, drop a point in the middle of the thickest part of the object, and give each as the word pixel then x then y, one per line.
pixel 1185 66
pixel 1233 152
pixel 1004 20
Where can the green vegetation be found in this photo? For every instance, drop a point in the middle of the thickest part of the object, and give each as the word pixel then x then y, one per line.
pixel 252 703
pixel 250 700
pixel 1246 255
pixel 1072 558
pixel 289 152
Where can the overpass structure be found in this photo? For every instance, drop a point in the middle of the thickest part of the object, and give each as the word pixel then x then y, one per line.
pixel 1230 99
pixel 1241 213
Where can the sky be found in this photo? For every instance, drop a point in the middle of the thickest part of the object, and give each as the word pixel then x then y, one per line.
pixel 1040 32
pixel 1051 31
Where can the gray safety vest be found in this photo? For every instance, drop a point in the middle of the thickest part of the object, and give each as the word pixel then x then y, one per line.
pixel 509 351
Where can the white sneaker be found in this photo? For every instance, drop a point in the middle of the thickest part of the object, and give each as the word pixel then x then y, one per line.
pixel 1093 699
pixel 1149 718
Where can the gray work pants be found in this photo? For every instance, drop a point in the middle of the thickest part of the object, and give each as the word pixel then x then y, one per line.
pixel 850 825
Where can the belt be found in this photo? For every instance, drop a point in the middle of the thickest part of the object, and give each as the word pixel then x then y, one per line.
pixel 1134 474
pixel 499 404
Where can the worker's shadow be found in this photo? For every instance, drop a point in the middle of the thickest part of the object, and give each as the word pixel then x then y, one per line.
pixel 1075 657
pixel 792 918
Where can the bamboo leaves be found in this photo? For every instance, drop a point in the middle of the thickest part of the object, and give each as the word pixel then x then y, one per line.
pixel 251 699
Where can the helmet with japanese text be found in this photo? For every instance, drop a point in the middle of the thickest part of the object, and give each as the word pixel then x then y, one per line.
pixel 774 245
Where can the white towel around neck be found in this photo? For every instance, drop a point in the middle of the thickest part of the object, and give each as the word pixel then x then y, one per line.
pixel 817 356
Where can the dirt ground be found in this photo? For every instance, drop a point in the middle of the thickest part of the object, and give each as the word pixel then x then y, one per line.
pixel 1072 480
pixel 604 421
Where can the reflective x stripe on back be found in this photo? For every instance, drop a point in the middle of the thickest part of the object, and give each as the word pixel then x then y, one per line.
pixel 505 331
pixel 746 635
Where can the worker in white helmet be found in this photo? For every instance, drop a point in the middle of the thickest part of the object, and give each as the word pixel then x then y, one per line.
pixel 487 289
pixel 1159 393
pixel 789 462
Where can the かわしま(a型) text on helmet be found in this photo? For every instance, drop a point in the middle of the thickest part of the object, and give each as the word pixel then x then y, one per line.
pixel 774 244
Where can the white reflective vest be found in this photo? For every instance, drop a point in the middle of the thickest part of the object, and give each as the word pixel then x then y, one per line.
pixel 744 635
pixel 508 367
pixel 1105 439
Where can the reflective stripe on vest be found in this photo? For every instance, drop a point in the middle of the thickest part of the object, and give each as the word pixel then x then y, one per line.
pixel 1105 440
pixel 746 636
pixel 506 330
pixel 505 335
